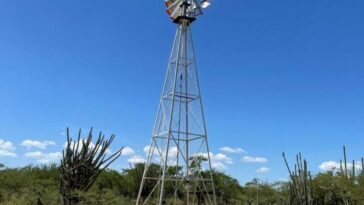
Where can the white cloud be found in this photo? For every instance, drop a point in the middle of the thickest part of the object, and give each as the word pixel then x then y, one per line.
pixel 173 152
pixel 127 151
pixel 6 153
pixel 146 150
pixel 36 154
pixel 218 165
pixel 7 149
pixel 263 170
pixel 136 159
pixel 44 158
pixel 53 157
pixel 37 144
pixel 358 165
pixel 232 150
pixel 335 166
pixel 222 158
pixel 219 161
pixel 6 145
pixel 204 155
pixel 249 159
pixel 329 166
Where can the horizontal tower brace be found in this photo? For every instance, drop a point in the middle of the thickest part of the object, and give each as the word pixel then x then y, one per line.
pixel 160 135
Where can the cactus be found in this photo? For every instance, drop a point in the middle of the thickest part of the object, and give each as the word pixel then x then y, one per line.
pixel 82 163
pixel 345 162
pixel 348 180
pixel 301 190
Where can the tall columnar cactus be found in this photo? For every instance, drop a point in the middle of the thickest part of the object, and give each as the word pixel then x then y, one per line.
pixel 301 190
pixel 345 162
pixel 82 163
pixel 348 179
pixel 344 170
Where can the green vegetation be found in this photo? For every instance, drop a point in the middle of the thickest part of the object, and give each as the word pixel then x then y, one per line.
pixel 40 185
pixel 36 185
pixel 82 178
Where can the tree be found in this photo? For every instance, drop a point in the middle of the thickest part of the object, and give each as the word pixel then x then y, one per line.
pixel 133 178
pixel 228 189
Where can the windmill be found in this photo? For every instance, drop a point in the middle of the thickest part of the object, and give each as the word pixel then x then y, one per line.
pixel 178 167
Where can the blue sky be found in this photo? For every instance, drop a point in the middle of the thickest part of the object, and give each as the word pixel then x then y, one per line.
pixel 275 76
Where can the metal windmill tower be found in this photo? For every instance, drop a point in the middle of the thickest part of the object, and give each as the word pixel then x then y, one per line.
pixel 178 167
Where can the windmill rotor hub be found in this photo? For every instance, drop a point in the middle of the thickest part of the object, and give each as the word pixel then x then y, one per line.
pixel 186 10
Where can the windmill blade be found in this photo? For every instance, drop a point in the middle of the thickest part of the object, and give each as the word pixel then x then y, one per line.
pixel 174 7
pixel 177 12
pixel 172 3
pixel 196 9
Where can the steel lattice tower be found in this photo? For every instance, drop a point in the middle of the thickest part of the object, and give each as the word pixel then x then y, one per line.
pixel 178 167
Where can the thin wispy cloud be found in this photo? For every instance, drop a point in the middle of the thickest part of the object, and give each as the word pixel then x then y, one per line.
pixel 233 150
pixel 36 154
pixel 263 170
pixel 249 159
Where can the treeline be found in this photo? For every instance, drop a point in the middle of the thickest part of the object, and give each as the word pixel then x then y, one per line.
pixel 41 185
pixel 82 178
pixel 37 185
